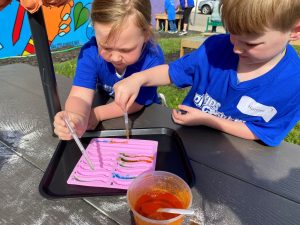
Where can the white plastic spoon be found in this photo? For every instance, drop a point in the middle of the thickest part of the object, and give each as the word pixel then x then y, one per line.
pixel 176 211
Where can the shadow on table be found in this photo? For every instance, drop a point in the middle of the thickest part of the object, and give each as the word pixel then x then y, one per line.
pixel 132 218
pixel 236 178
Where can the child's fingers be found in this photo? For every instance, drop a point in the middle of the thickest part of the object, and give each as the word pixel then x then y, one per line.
pixel 118 100
pixel 130 102
pixel 60 128
pixel 62 134
pixel 184 108
pixel 124 96
pixel 77 123
pixel 125 101
pixel 122 102
pixel 61 131
pixel 175 117
pixel 58 119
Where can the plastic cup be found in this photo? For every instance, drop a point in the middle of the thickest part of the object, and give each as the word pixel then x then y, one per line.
pixel 155 185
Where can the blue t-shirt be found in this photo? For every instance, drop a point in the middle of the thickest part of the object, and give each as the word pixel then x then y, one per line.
pixel 190 3
pixel 170 8
pixel 269 105
pixel 92 70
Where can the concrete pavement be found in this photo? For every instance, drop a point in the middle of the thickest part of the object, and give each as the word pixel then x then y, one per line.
pixel 198 22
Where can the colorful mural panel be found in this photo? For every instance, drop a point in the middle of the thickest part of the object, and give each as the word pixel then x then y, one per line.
pixel 67 26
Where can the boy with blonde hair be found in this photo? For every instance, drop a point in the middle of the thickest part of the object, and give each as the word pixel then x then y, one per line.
pixel 245 83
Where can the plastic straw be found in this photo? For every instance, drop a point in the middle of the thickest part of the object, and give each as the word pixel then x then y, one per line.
pixel 126 124
pixel 79 144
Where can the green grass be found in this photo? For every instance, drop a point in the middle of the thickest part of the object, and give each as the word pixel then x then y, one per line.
pixel 294 135
pixel 174 96
pixel 169 45
pixel 297 48
pixel 66 68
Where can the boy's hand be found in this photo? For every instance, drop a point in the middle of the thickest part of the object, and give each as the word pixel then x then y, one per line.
pixel 195 116
pixel 188 116
pixel 126 92
pixel 78 123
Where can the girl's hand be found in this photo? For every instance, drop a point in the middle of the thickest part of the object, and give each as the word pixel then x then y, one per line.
pixel 189 116
pixel 93 120
pixel 78 123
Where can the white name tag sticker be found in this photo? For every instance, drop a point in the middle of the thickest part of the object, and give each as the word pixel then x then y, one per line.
pixel 251 107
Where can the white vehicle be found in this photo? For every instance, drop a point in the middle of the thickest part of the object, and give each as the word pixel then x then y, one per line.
pixel 206 6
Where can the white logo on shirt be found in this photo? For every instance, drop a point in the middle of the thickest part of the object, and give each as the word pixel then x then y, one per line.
pixel 206 102
pixel 209 105
pixel 108 89
pixel 249 106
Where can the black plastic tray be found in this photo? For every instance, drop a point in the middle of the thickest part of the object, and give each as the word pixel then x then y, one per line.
pixel 171 157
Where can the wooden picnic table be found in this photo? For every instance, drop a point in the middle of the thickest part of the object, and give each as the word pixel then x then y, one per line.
pixel 236 181
pixel 164 17
pixel 190 42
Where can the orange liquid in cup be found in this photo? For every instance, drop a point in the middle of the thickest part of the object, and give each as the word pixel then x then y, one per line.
pixel 148 204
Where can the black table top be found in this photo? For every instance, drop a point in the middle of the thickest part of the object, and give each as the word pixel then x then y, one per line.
pixel 236 181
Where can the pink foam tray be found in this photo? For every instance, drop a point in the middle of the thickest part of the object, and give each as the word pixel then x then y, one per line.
pixel 116 162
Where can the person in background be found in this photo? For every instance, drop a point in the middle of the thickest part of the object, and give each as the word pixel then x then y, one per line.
pixel 123 45
pixel 245 83
pixel 215 16
pixel 186 6
pixel 171 12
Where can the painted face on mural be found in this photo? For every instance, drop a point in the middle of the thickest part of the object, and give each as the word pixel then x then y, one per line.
pixel 121 50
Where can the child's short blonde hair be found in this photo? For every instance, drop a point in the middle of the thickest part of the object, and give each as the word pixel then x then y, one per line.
pixel 254 16
pixel 116 12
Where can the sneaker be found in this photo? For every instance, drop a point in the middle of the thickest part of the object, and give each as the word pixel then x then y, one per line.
pixel 183 33
pixel 172 31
